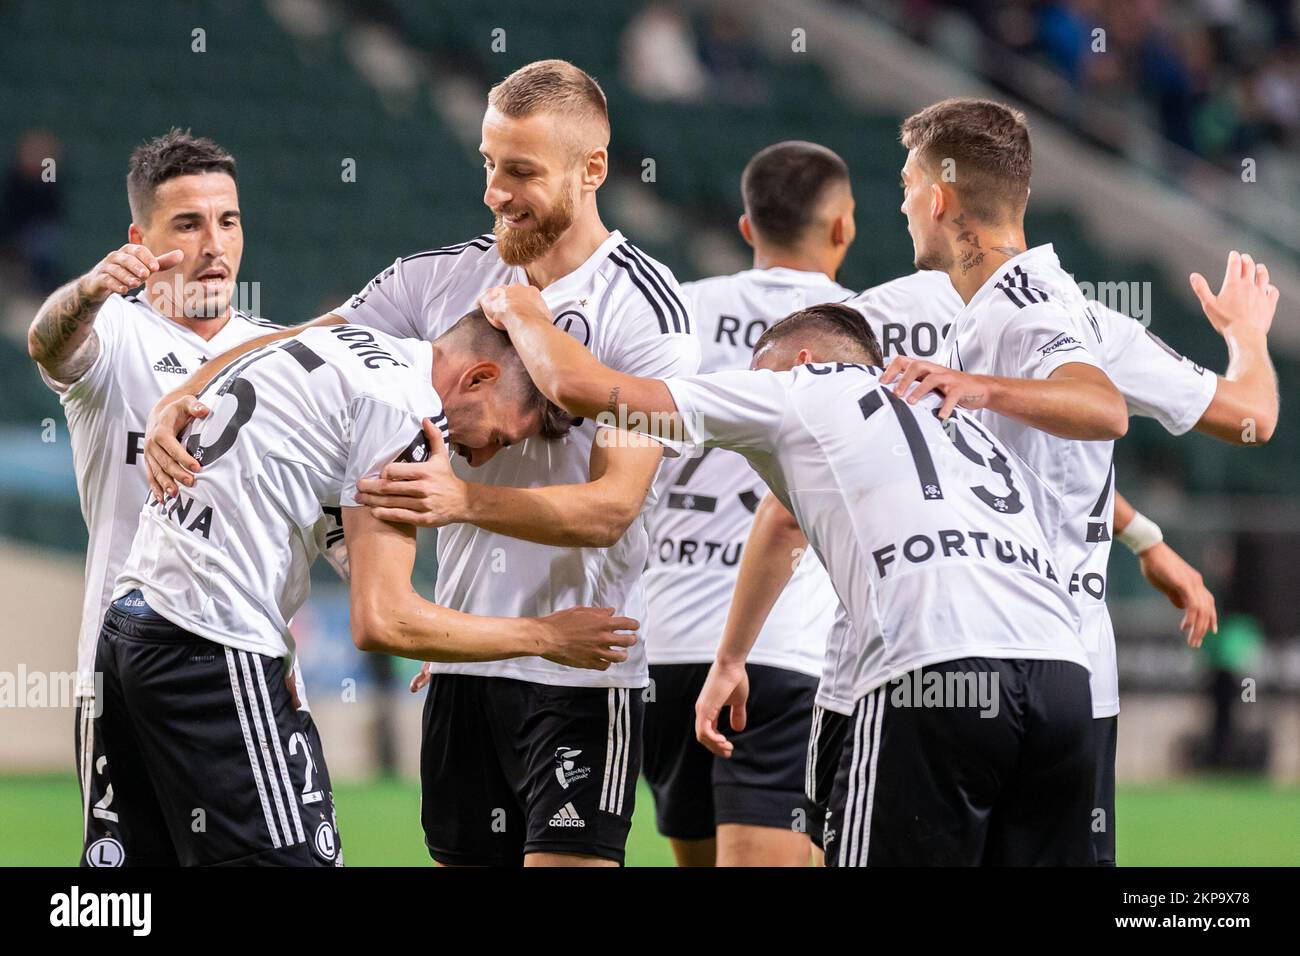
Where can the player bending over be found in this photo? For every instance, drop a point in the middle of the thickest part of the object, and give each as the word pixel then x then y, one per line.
pixel 195 711
pixel 971 729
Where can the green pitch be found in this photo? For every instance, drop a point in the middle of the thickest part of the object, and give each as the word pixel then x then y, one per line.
pixel 1199 822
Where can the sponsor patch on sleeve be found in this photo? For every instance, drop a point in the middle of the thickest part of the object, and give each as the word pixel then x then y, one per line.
pixel 1065 342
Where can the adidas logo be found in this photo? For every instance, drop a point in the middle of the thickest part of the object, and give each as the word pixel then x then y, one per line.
pixel 169 363
pixel 566 816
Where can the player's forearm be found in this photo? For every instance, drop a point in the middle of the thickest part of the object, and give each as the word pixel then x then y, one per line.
pixel 1124 513
pixel 772 552
pixel 590 515
pixel 1084 410
pixel 420 630
pixel 1245 407
pixel 60 338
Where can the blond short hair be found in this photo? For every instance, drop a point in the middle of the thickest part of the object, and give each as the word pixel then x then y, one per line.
pixel 552 86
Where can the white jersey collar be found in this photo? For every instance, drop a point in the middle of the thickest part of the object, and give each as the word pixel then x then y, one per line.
pixel 581 276
pixel 213 344
pixel 789 276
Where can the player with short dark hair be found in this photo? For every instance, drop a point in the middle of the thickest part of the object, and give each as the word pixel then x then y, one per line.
pixel 109 353
pixel 1027 355
pixel 748 809
pixel 195 713
pixel 789 192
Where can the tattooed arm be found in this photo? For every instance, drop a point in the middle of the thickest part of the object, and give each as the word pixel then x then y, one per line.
pixel 62 337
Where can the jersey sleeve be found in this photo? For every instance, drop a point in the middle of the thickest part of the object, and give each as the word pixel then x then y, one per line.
pixel 1040 338
pixel 653 335
pixel 393 301
pixel 382 433
pixel 740 410
pixel 94 384
pixel 1155 380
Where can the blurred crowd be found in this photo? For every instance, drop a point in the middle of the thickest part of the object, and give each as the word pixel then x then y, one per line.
pixel 666 56
pixel 32 214
pixel 1218 78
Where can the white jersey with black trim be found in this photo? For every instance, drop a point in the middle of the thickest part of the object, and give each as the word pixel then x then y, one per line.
pixel 1156 381
pixel 627 310
pixel 294 426
pixel 142 356
pixel 910 315
pixel 699 530
pixel 929 532
pixel 1026 321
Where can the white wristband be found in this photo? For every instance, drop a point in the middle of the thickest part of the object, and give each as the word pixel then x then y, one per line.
pixel 1140 534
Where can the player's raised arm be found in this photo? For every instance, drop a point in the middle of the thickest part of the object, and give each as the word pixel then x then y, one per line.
pixel 568 374
pixel 62 338
pixel 387 615
pixel 1244 410
pixel 166 461
pixel 772 552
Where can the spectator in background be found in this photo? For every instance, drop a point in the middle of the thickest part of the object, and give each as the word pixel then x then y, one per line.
pixel 31 223
pixel 1277 91
pixel 659 58
pixel 731 59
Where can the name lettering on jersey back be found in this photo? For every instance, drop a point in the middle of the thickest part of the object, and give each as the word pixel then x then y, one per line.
pixel 729 325
pixel 918 340
pixel 950 543
pixel 182 510
pixel 366 346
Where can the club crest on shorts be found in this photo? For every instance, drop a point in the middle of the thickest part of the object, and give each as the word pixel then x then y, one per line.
pixel 105 851
pixel 566 770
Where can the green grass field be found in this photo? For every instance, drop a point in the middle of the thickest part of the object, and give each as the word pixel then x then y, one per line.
pixel 1194 823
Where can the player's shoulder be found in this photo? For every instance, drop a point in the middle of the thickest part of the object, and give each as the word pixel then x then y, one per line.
pixel 643 288
pixel 256 321
pixel 480 249
pixel 819 374
pixel 1026 285
pixel 923 287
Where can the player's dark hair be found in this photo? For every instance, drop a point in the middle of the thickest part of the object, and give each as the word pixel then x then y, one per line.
pixel 475 333
pixel 986 147
pixel 843 330
pixel 175 153
pixel 782 185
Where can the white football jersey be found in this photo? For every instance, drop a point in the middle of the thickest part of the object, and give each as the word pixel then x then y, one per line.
pixel 1026 321
pixel 294 426
pixel 699 529
pixel 929 532
pixel 142 356
pixel 1155 380
pixel 910 315
pixel 626 309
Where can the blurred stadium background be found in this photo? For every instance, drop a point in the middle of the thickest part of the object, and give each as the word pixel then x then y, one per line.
pixel 1154 156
